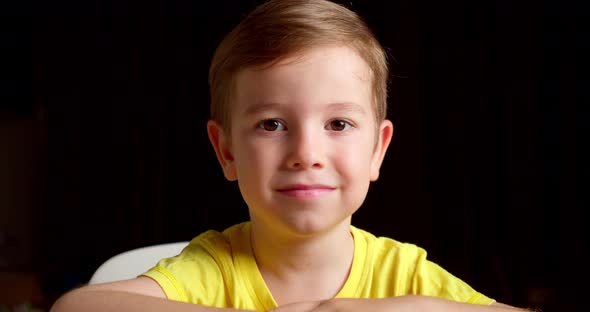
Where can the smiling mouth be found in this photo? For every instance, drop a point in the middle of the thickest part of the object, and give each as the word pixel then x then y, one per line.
pixel 306 191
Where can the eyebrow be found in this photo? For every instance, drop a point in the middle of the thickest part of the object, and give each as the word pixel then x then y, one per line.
pixel 349 107
pixel 261 107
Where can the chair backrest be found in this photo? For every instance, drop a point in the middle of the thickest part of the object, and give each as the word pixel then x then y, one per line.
pixel 132 263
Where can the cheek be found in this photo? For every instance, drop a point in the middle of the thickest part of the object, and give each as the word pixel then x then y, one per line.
pixel 254 159
pixel 356 179
pixel 352 164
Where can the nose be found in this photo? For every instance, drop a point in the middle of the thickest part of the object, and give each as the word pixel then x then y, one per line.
pixel 306 150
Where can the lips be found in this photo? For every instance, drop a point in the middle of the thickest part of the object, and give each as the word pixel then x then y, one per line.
pixel 305 191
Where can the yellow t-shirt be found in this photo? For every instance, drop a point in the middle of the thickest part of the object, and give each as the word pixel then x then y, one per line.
pixel 219 270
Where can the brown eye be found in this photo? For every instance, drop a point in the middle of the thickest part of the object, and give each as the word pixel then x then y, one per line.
pixel 271 125
pixel 338 125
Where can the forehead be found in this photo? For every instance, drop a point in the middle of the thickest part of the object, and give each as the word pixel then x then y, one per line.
pixel 316 77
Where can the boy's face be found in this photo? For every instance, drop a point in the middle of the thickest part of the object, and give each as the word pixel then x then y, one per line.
pixel 303 144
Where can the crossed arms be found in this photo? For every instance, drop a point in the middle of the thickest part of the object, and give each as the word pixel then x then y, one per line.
pixel 144 295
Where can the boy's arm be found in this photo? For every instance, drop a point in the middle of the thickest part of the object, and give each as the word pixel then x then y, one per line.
pixel 409 303
pixel 138 294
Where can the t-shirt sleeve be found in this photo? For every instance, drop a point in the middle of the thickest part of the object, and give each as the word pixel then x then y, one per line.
pixel 432 280
pixel 188 276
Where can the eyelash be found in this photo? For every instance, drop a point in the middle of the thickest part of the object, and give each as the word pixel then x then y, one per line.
pixel 262 124
pixel 347 124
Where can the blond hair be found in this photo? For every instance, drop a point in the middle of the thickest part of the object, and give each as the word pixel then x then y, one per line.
pixel 279 29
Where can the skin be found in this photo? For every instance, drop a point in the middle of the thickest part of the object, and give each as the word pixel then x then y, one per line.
pixel 305 149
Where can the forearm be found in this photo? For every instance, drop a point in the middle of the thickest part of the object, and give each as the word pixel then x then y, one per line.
pixel 442 305
pixel 90 300
pixel 409 303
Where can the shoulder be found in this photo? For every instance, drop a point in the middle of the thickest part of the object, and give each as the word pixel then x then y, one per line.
pixel 383 246
pixel 212 244
pixel 210 252
pixel 390 267
pixel 207 255
pixel 402 261
pixel 406 263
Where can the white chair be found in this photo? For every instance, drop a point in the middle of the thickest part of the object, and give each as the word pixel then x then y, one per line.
pixel 132 263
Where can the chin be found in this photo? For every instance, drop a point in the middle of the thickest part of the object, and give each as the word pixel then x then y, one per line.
pixel 313 227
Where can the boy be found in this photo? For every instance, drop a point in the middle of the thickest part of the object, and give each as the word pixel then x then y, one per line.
pixel 298 100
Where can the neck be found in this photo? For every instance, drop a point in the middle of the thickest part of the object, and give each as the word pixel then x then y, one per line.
pixel 283 255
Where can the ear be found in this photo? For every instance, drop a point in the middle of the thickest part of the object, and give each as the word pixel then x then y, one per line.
pixel 219 140
pixel 383 140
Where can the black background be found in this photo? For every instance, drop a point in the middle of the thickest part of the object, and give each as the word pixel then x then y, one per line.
pixel 481 171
